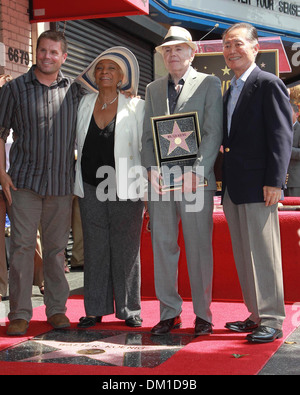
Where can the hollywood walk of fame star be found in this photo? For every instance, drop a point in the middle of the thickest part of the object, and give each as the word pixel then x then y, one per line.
pixel 110 350
pixel 177 139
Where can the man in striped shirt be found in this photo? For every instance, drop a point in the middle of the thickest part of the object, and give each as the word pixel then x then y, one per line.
pixel 41 107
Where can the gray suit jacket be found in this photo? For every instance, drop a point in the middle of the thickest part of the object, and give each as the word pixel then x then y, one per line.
pixel 201 93
pixel 294 166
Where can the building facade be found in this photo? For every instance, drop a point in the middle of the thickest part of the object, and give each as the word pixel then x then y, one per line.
pixel 16 33
pixel 141 33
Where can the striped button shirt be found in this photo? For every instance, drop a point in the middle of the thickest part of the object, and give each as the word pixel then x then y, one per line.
pixel 44 123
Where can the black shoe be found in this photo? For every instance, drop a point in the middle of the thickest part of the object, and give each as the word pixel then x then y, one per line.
pixel 165 326
pixel 87 322
pixel 134 322
pixel 264 334
pixel 241 326
pixel 202 327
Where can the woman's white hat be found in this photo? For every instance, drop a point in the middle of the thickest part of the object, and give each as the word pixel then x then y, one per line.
pixel 177 35
pixel 127 62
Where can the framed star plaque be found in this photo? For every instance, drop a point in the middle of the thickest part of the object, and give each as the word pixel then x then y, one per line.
pixel 176 142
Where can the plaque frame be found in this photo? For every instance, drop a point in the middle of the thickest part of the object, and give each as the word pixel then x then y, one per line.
pixel 172 126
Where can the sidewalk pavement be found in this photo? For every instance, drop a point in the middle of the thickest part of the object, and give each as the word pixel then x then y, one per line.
pixel 286 361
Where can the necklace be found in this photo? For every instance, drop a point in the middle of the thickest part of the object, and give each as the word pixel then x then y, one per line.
pixel 104 107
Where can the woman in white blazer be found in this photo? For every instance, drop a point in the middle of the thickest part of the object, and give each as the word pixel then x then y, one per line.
pixel 110 187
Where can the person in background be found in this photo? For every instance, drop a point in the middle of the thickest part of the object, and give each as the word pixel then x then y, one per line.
pixel 109 130
pixel 293 184
pixel 4 207
pixel 257 149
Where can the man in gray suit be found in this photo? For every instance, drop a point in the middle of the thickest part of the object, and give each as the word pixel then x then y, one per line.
pixel 293 185
pixel 183 90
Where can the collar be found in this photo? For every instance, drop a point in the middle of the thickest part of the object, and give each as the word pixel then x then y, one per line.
pixel 185 76
pixel 243 78
pixel 30 77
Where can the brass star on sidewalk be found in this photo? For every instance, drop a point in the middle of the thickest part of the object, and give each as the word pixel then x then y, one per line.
pixel 111 350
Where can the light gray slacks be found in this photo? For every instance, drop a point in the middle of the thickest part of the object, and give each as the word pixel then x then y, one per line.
pixel 255 236
pixel 53 214
pixel 197 229
pixel 111 237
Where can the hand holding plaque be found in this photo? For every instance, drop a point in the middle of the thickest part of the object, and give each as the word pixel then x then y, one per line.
pixel 190 182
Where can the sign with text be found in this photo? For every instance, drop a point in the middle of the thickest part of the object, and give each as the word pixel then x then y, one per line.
pixel 277 14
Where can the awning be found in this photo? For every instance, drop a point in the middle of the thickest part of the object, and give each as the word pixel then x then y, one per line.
pixel 61 10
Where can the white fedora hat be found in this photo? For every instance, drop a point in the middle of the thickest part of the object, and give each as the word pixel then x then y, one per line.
pixel 127 62
pixel 177 35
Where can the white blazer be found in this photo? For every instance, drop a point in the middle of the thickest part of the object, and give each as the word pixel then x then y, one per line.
pixel 128 136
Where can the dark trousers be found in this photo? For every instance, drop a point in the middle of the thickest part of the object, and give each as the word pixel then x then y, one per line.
pixel 111 236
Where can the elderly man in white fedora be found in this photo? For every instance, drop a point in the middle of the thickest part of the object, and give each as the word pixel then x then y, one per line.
pixel 109 132
pixel 183 90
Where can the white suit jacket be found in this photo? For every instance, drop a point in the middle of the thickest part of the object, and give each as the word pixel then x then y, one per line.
pixel 128 135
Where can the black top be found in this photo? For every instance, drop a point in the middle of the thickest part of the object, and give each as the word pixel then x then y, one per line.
pixel 98 150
